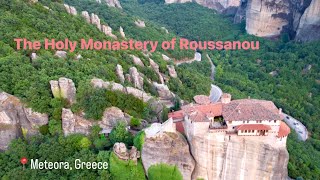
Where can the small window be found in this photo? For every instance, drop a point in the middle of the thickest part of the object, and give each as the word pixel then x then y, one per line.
pixel 275 121
pixel 245 131
pixel 244 122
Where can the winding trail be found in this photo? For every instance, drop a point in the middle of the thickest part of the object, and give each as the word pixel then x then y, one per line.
pixel 213 68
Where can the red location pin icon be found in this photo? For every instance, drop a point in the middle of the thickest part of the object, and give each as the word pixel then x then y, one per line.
pixel 23 161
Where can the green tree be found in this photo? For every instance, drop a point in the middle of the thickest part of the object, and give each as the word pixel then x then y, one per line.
pixel 164 171
pixel 120 134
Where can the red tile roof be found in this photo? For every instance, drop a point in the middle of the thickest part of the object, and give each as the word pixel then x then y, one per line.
pixel 198 116
pixel 284 130
pixel 250 109
pixel 198 112
pixel 215 108
pixel 253 127
pixel 202 99
pixel 176 115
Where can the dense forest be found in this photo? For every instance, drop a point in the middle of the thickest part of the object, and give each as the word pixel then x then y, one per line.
pixel 241 73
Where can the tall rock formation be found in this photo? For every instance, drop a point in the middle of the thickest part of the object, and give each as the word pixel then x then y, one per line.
pixel 16 120
pixel 164 145
pixel 309 27
pixel 119 72
pixel 269 18
pixel 266 18
pixel 108 31
pixel 136 78
pixel 155 67
pixel 218 157
pixel 219 5
pixel 113 3
pixel 70 9
pixel 64 88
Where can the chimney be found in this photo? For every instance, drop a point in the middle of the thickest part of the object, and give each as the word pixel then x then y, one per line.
pixel 238 110
pixel 280 110
pixel 225 98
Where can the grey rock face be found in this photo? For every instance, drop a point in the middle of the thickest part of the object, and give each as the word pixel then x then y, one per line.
pixel 85 14
pixel 33 56
pixel 17 120
pixel 165 57
pixel 72 123
pixel 137 61
pixel 119 72
pixel 163 91
pixel 95 20
pixel 98 83
pixel 64 88
pixel 155 67
pixel 172 71
pixel 237 159
pixel 219 5
pixel 136 79
pixel 114 3
pixel 140 23
pixel 61 54
pixel 112 116
pixel 309 26
pixel 123 35
pixel 170 148
pixel 70 9
pixel 108 31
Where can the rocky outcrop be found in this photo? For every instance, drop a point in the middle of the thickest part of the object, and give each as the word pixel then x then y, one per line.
pixel 165 57
pixel 140 23
pixel 217 157
pixel 309 26
pixel 95 20
pixel 72 123
pixel 108 31
pixel 121 151
pixel 137 61
pixel 99 83
pixel 70 9
pixel 123 35
pixel 267 18
pixel 155 67
pixel 16 120
pixel 112 116
pixel 165 30
pixel 61 54
pixel 164 145
pixel 172 71
pixel 113 3
pixel 33 56
pixel 76 123
pixel 163 91
pixel 119 72
pixel 86 16
pixel 64 88
pixel 219 5
pixel 136 78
